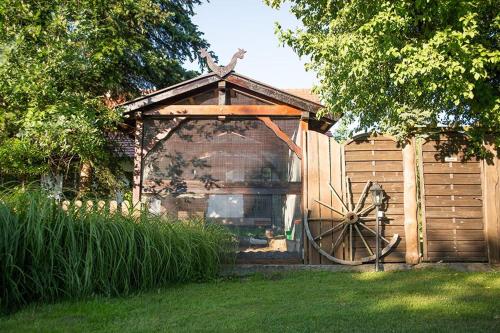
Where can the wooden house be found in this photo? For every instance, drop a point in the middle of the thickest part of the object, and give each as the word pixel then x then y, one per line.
pixel 227 148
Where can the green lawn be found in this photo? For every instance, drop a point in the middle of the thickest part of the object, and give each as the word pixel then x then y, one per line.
pixel 420 300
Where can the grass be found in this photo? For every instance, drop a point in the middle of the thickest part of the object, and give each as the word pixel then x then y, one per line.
pixel 47 253
pixel 411 301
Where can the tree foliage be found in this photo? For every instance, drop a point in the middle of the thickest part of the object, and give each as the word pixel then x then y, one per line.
pixel 60 61
pixel 400 66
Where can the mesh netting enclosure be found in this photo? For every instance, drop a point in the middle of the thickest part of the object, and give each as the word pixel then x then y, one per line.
pixel 234 172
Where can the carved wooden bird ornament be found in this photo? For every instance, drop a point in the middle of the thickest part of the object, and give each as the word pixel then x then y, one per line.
pixel 222 70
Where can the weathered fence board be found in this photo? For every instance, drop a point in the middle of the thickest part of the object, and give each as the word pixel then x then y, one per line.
pixel 324 193
pixel 381 155
pixel 363 159
pixel 452 202
pixel 491 183
pixel 313 184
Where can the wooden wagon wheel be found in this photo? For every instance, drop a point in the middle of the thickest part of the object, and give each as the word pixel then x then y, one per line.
pixel 350 220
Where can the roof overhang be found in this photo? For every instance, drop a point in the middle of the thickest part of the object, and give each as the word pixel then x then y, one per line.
pixel 239 81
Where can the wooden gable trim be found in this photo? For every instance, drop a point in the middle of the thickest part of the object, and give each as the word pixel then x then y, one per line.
pixel 170 92
pixel 282 135
pixel 224 110
pixel 236 79
pixel 273 93
pixel 149 104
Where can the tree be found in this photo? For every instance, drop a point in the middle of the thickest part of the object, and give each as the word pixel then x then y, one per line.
pixel 62 62
pixel 402 66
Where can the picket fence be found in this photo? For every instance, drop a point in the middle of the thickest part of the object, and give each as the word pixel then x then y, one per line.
pixel 113 207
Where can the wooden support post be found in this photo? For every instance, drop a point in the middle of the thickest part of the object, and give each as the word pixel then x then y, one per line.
pixel 137 188
pixel 223 93
pixel 304 126
pixel 491 206
pixel 410 204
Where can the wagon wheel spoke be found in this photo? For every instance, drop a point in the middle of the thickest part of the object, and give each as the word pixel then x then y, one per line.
pixel 350 215
pixel 362 196
pixel 363 239
pixel 326 219
pixel 366 210
pixel 365 218
pixel 351 256
pixel 338 197
pixel 328 206
pixel 349 193
pixel 331 230
pixel 337 242
pixel 374 232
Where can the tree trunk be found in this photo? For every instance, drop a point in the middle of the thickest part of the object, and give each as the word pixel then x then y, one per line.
pixel 85 178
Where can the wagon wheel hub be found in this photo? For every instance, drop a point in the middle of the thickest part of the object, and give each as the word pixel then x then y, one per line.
pixel 350 224
pixel 351 218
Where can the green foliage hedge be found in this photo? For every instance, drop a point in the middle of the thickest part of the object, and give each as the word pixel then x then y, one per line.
pixel 47 253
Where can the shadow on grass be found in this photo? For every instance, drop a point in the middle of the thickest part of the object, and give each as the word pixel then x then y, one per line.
pixel 300 302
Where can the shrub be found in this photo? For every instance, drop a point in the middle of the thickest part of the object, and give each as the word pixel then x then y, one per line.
pixel 47 253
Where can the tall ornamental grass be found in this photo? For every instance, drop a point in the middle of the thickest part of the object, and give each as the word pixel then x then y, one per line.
pixel 47 253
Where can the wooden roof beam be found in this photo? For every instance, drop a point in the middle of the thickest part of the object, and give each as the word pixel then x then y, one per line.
pixel 224 110
pixel 282 135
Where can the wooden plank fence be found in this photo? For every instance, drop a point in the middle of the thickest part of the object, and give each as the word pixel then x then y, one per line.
pixel 374 158
pixel 459 199
pixel 379 158
pixel 451 201
pixel 459 206
pixel 324 166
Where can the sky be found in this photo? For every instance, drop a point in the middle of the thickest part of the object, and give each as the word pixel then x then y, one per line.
pixel 250 24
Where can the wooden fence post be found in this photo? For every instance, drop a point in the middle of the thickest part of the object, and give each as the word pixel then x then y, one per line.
pixel 101 205
pixel 304 127
pixel 491 206
pixel 410 203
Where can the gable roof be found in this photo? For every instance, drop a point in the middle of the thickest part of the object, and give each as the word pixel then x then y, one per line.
pixel 286 97
pixel 169 92
pixel 299 99
pixel 304 93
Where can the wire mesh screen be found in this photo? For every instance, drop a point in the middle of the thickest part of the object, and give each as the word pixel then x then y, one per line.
pixel 210 97
pixel 234 172
pixel 202 155
pixel 240 98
